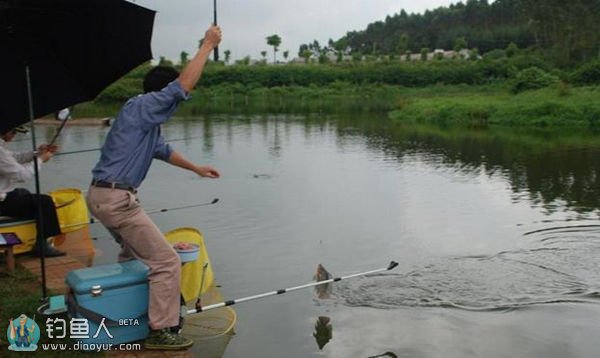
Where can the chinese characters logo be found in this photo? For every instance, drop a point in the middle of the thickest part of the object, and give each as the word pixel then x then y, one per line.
pixel 80 329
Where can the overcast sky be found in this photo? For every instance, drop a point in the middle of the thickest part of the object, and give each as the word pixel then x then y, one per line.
pixel 246 23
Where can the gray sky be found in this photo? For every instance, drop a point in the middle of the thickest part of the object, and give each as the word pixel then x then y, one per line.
pixel 245 24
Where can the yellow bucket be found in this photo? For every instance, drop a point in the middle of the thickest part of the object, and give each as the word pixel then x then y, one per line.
pixel 72 216
pixel 71 209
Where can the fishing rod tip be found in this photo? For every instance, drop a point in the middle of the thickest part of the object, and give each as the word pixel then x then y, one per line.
pixel 392 265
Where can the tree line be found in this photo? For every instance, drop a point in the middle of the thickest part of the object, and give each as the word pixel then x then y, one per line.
pixel 567 32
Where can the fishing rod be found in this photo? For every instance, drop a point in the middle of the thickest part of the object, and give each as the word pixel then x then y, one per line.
pixel 63 115
pixel 96 149
pixel 391 266
pixel 60 128
pixel 216 53
pixel 62 125
pixel 94 220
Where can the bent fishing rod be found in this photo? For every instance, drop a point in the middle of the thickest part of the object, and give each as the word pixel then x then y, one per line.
pixel 62 125
pixel 97 149
pixel 94 220
pixel 58 131
pixel 391 266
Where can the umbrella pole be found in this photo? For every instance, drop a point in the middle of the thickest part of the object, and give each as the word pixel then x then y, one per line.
pixel 39 216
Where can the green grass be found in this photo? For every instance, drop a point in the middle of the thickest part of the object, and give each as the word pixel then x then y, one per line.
pixel 552 106
pixel 20 293
pixel 478 106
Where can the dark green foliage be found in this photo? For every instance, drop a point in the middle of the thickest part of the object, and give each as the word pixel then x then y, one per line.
pixel 512 49
pixel 495 55
pixel 337 97
pixel 121 90
pixel 382 86
pixel 532 78
pixel 392 73
pixel 587 74
pixel 527 61
pixel 567 32
pixel 482 24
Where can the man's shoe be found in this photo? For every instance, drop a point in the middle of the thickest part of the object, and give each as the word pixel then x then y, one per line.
pixel 49 252
pixel 164 339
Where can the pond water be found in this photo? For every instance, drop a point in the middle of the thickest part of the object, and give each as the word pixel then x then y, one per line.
pixel 496 232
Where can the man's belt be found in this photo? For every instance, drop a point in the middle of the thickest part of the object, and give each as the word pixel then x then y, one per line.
pixel 105 184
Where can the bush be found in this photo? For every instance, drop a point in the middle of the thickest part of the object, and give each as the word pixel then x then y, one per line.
pixel 525 61
pixel 532 78
pixel 588 74
pixel 563 89
pixel 494 55
pixel 121 90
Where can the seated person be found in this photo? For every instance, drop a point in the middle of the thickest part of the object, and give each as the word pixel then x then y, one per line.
pixel 17 167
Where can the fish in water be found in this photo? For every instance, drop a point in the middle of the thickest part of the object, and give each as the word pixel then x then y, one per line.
pixel 322 291
pixel 261 176
pixel 386 354
pixel 323 331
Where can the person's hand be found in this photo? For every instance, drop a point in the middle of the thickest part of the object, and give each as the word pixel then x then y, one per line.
pixel 207 172
pixel 212 37
pixel 45 156
pixel 47 148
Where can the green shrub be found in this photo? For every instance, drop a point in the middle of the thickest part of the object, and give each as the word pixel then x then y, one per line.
pixel 532 78
pixel 525 61
pixel 587 74
pixel 512 49
pixel 494 55
pixel 121 90
pixel 563 89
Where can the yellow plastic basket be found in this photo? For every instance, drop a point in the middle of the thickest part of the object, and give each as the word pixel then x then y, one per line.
pixel 71 209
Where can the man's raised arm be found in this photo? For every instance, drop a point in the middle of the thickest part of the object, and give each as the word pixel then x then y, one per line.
pixel 193 70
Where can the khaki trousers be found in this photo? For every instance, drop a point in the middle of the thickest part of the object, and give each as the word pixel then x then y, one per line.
pixel 121 213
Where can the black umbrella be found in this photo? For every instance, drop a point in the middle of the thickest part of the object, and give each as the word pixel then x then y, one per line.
pixel 62 52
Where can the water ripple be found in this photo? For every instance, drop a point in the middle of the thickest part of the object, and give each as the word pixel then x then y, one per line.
pixel 559 266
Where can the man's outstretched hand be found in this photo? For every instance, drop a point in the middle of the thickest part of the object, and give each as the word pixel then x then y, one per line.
pixel 207 172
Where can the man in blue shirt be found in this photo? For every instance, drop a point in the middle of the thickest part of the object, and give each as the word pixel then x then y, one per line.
pixel 133 142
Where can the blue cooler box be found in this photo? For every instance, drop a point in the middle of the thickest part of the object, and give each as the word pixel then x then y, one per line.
pixel 116 292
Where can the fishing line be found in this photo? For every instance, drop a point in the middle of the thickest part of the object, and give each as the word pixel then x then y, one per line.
pixel 97 149
pixel 158 211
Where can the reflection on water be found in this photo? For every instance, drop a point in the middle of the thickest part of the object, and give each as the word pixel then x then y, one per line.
pixel 323 331
pixel 495 230
pixel 543 166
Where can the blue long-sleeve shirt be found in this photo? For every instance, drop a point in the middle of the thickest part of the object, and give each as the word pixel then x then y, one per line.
pixel 135 138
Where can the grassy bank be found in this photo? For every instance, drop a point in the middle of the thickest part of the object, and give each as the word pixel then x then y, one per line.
pixel 553 106
pixel 516 91
pixel 20 293
pixel 494 104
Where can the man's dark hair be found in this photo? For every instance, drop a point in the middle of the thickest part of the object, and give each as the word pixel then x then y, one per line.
pixel 159 77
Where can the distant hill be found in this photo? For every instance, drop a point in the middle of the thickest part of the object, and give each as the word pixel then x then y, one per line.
pixel 568 31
